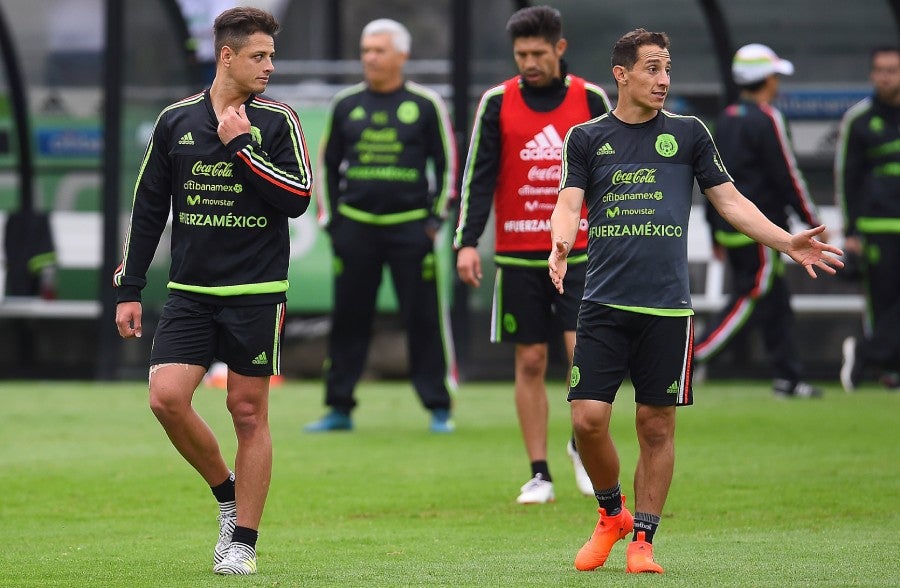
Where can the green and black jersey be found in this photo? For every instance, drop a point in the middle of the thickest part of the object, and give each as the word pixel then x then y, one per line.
pixel 638 180
pixel 386 158
pixel 229 204
pixel 867 168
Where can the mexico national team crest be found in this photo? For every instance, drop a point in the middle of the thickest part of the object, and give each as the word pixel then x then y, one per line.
pixel 666 145
pixel 575 377
pixel 408 112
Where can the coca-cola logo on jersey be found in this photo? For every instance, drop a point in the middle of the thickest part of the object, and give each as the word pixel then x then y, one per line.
pixel 545 174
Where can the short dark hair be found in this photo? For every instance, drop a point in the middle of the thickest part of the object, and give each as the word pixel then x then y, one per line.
pixel 536 21
pixel 882 49
pixel 625 51
pixel 234 26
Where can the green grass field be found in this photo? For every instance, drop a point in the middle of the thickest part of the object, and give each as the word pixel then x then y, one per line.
pixel 766 493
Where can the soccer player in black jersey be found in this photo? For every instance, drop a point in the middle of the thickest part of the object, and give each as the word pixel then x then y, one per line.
pixel 382 207
pixel 867 180
pixel 635 168
pixel 231 166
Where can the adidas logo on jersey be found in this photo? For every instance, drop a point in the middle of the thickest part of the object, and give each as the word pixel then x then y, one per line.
pixel 186 139
pixel 546 146
pixel 673 388
pixel 261 359
pixel 606 149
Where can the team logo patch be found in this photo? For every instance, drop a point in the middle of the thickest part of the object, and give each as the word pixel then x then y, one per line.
pixel 575 377
pixel 510 324
pixel 256 134
pixel 358 113
pixel 408 112
pixel 666 145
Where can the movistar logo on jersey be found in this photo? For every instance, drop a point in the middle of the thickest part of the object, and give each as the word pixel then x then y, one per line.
pixel 193 200
pixel 666 145
pixel 186 139
pixel 642 176
pixel 606 149
pixel 545 146
pixel 261 359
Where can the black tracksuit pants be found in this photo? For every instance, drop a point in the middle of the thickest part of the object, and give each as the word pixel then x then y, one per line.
pixel 361 252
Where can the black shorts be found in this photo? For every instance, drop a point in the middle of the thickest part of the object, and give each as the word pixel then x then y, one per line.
pixel 528 309
pixel 656 350
pixel 246 338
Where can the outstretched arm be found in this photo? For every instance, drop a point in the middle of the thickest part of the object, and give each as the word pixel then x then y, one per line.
pixel 802 247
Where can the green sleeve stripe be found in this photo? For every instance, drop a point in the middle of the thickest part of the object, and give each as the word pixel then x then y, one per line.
pixel 868 224
pixel 730 239
pixel 540 263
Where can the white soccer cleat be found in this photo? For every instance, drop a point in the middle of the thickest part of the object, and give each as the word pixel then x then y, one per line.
pixel 582 480
pixel 240 559
pixel 537 490
pixel 227 521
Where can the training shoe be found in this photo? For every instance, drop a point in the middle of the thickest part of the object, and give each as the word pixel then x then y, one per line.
pixel 593 554
pixel 787 389
pixel 227 521
pixel 585 486
pixel 850 367
pixel 890 380
pixel 333 421
pixel 441 421
pixel 639 557
pixel 537 490
pixel 239 560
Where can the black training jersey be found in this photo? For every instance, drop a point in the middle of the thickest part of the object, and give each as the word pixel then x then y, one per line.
pixel 376 153
pixel 867 168
pixel 755 144
pixel 638 180
pixel 229 203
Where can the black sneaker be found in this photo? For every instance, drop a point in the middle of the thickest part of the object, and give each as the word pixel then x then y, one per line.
pixel 787 389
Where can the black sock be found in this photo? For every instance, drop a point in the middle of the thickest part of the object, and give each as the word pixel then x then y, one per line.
pixel 541 467
pixel 610 500
pixel 646 522
pixel 224 492
pixel 245 536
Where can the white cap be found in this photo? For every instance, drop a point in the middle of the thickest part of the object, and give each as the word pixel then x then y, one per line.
pixel 754 63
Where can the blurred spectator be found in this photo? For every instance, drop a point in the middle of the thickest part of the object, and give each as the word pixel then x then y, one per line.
pixel 867 180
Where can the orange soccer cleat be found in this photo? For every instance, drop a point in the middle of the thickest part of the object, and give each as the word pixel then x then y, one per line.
pixel 639 557
pixel 593 554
